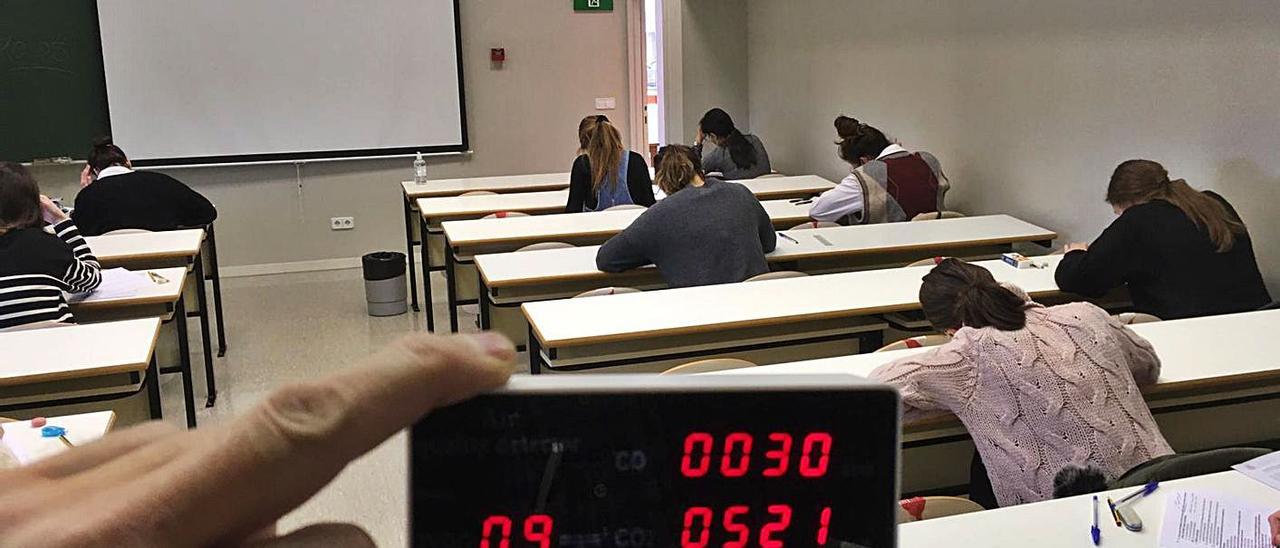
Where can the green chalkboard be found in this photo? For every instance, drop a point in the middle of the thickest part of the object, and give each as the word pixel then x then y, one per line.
pixel 53 95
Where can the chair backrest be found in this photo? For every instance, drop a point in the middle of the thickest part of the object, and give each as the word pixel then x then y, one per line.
pixel 621 207
pixel 779 275
pixel 937 215
pixel 934 261
pixel 1172 467
pixel 1131 318
pixel 545 245
pixel 922 508
pixel 606 291
pixel 478 193
pixel 126 231
pixel 707 366
pixel 505 214
pixel 809 225
pixel 916 342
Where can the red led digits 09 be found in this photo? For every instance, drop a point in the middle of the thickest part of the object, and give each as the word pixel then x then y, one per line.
pixel 735 453
pixel 496 531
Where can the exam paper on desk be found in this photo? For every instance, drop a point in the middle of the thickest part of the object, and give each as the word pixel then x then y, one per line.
pixel 1264 469
pixel 116 283
pixel 1194 519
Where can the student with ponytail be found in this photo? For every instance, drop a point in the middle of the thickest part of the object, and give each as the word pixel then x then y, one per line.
pixel 1037 387
pixel 732 154
pixel 886 183
pixel 706 231
pixel 114 196
pixel 1181 252
pixel 606 174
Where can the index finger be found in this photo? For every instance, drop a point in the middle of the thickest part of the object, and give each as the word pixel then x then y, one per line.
pixel 267 463
pixel 1274 520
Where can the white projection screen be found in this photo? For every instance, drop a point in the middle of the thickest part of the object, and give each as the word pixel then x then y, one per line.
pixel 199 82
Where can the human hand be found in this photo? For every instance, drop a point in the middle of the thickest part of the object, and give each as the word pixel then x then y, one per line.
pixel 1076 246
pixel 227 485
pixel 86 176
pixel 50 212
pixel 1274 520
pixel 698 139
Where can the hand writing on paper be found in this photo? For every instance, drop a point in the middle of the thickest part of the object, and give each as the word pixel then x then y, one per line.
pixel 1077 246
pixel 227 485
pixel 50 212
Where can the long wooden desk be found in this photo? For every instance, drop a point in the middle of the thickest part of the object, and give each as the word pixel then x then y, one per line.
pixel 1206 363
pixel 170 249
pixel 510 279
pixel 27 444
pixel 466 239
pixel 411 192
pixel 32 361
pixel 1065 522
pixel 633 328
pixel 163 300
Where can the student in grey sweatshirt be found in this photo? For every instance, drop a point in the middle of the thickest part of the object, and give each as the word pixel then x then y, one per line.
pixel 707 231
pixel 732 154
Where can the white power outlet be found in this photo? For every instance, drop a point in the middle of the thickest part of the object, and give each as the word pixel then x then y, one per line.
pixel 342 223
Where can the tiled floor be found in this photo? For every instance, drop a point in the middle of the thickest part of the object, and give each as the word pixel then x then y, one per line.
pixel 292 327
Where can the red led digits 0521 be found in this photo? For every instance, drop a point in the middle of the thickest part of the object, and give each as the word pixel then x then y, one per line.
pixel 735 452
pixel 699 521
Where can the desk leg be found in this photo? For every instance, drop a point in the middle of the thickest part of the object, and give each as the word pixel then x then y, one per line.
pixel 535 353
pixel 153 390
pixel 184 352
pixel 485 321
pixel 408 252
pixel 451 287
pixel 211 384
pixel 870 341
pixel 216 275
pixel 427 297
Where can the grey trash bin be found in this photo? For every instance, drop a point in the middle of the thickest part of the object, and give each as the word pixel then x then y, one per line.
pixel 384 283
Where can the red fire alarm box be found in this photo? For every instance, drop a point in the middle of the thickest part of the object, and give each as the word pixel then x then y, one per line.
pixel 497 55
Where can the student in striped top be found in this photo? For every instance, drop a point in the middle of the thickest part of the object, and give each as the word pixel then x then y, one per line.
pixel 37 267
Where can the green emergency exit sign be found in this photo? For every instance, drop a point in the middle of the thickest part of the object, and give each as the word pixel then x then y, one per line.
pixel 592 5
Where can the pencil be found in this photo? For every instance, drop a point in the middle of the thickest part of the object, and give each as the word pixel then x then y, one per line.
pixel 1114 514
pixel 66 441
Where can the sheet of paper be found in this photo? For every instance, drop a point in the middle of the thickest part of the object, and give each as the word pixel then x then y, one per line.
pixel 1194 519
pixel 116 283
pixel 1265 469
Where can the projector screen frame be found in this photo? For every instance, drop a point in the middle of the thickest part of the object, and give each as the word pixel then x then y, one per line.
pixel 344 154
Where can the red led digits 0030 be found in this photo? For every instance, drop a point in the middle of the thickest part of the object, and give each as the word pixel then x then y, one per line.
pixel 736 450
pixel 496 531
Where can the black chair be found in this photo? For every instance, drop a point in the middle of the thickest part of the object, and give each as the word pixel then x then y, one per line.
pixel 1171 467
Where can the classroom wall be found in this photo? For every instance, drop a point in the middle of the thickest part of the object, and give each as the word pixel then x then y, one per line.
pixel 1031 105
pixel 522 119
pixel 714 52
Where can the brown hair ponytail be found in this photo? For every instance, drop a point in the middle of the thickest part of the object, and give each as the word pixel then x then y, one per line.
pixel 19 198
pixel 957 294
pixel 1139 181
pixel 675 167
pixel 858 140
pixel 602 143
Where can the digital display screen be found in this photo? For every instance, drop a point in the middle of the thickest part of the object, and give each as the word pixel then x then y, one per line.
pixel 718 468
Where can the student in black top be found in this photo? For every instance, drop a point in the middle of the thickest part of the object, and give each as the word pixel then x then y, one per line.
pixel 605 174
pixel 114 196
pixel 1182 253
pixel 733 154
pixel 37 267
pixel 706 231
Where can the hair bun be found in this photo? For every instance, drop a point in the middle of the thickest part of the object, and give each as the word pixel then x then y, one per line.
pixel 103 142
pixel 847 127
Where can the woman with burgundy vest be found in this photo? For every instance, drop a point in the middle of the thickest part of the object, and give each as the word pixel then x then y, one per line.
pixel 887 183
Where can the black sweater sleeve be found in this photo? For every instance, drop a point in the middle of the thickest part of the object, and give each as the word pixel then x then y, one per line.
pixel 194 210
pixel 579 185
pixel 1111 260
pixel 639 184
pixel 88 214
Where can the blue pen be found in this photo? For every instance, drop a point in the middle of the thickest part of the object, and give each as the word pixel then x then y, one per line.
pixel 1146 490
pixel 1095 532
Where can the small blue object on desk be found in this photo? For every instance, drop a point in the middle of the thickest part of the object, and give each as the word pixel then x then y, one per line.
pixel 1094 531
pixel 53 432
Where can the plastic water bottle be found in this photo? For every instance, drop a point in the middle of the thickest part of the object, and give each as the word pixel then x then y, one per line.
pixel 420 170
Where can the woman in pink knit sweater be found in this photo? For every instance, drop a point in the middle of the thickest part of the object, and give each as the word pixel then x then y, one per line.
pixel 1037 387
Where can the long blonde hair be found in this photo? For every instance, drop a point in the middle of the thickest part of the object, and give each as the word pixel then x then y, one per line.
pixel 1140 181
pixel 602 143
